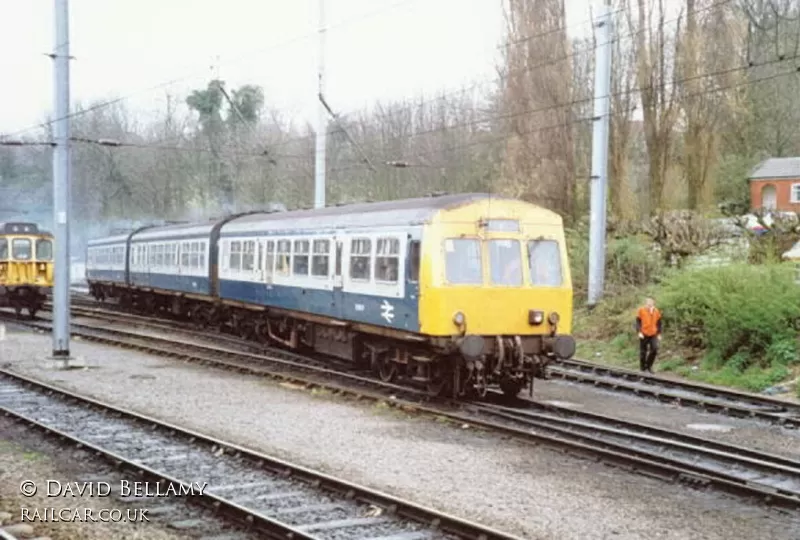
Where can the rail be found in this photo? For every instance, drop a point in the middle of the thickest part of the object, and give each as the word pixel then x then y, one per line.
pixel 268 495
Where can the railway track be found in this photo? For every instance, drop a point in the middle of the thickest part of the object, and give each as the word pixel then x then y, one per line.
pixel 271 497
pixel 707 398
pixel 669 455
pixel 685 458
pixel 700 396
pixel 81 467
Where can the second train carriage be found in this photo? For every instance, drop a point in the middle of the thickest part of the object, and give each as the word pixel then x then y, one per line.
pixel 458 292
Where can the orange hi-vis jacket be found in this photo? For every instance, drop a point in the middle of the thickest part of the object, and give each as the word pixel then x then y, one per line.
pixel 647 322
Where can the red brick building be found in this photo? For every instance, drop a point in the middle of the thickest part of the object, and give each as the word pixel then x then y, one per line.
pixel 775 185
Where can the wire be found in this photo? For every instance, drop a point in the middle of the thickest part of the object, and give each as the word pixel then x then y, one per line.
pixel 573 103
pixel 578 121
pixel 170 82
pixel 526 69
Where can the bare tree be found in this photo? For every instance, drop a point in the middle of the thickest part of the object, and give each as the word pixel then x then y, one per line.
pixel 657 48
pixel 537 95
pixel 711 39
pixel 623 104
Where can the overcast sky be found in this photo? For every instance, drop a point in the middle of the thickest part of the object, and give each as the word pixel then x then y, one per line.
pixel 376 50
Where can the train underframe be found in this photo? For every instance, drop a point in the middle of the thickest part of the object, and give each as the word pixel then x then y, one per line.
pixel 464 367
pixel 23 297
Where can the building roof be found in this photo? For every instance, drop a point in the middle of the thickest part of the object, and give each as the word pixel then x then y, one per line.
pixel 777 168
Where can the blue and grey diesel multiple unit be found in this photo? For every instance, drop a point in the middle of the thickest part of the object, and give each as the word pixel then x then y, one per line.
pixel 456 292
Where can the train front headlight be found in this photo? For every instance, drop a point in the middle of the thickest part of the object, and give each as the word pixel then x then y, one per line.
pixel 553 318
pixel 459 319
pixel 535 317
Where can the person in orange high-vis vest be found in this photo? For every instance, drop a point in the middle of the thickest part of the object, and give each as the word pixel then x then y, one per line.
pixel 648 324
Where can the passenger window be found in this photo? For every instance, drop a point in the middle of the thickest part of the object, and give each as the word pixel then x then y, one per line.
pixel 193 255
pixel 270 263
pixel 260 256
pixel 202 258
pixel 236 255
pixel 284 253
pixel 413 260
pixel 360 251
pixel 505 262
pixel 248 255
pixel 544 261
pixel 463 261
pixel 185 255
pixel 319 261
pixel 387 260
pixel 300 262
pixel 3 249
pixel 338 269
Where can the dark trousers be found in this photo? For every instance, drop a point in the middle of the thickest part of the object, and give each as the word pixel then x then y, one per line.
pixel 648 349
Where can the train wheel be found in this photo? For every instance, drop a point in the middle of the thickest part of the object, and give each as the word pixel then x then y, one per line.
pixel 32 310
pixel 511 387
pixel 387 370
pixel 439 377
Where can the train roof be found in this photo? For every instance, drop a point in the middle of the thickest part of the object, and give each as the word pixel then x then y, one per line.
pixel 154 232
pixel 108 240
pixel 377 214
pixel 179 230
pixel 22 227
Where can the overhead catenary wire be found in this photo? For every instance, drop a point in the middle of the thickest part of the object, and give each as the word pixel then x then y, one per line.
pixel 394 162
pixel 528 68
pixel 291 41
pixel 570 123
pixel 194 74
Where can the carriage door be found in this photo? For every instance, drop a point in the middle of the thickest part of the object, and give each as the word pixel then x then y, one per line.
pixel 338 280
pixel 260 271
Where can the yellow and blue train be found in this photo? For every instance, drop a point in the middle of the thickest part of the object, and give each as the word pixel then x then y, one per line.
pixel 456 293
pixel 26 266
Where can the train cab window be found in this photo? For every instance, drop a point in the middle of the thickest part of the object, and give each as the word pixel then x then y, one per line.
pixel 360 253
pixel 284 254
pixel 544 260
pixel 269 263
pixel 387 260
pixel 413 260
pixel 300 261
pixel 320 258
pixel 462 261
pixel 3 249
pixel 21 249
pixel 505 262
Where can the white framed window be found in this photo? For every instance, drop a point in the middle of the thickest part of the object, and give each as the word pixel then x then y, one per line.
pixel 360 259
pixel 270 260
pixel 284 253
pixel 795 195
pixel 387 260
pixel 300 260
pixel 320 260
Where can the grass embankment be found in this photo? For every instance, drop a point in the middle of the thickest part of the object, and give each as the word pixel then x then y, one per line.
pixel 731 325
